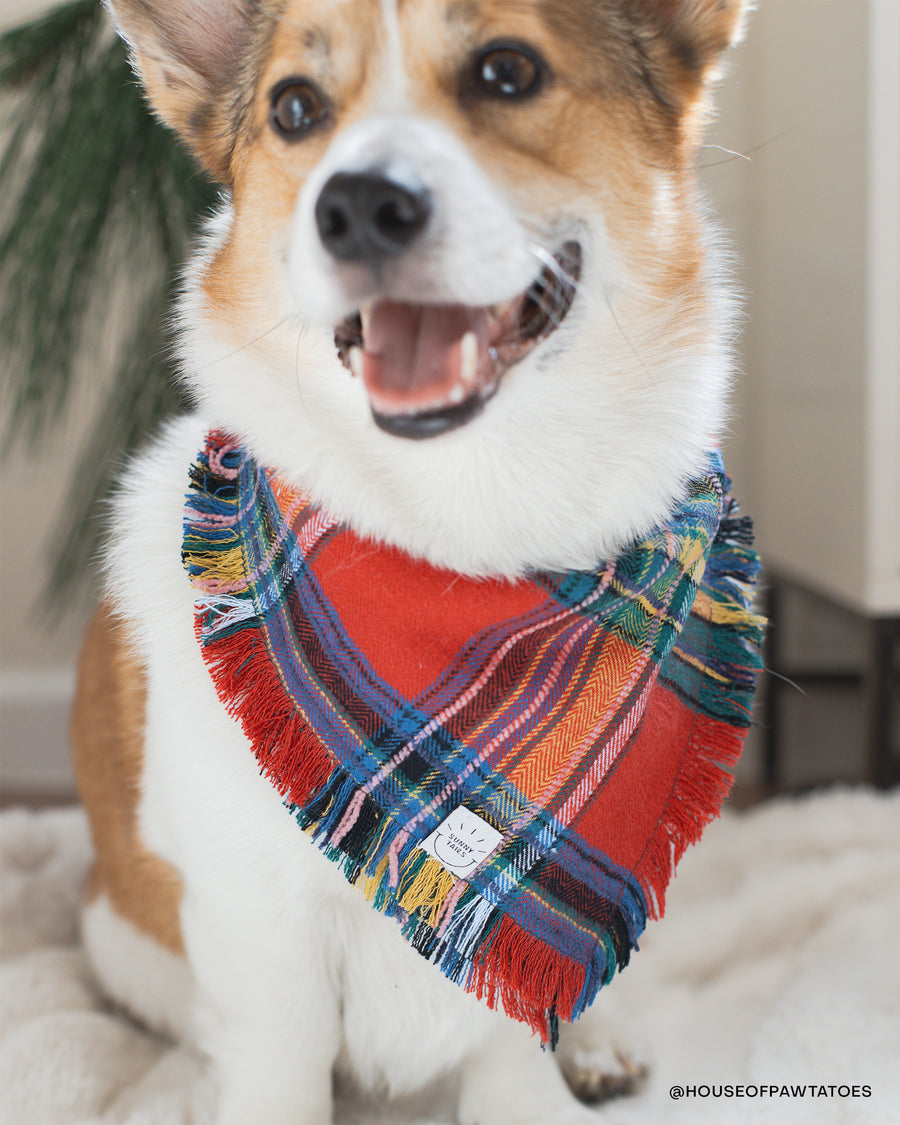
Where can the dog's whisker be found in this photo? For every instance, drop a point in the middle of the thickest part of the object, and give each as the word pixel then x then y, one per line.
pixel 555 311
pixel 248 344
pixel 553 265
pixel 628 340
pixel 301 333
pixel 553 291
pixel 730 152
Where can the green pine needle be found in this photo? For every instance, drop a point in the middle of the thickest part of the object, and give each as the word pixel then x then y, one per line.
pixel 96 200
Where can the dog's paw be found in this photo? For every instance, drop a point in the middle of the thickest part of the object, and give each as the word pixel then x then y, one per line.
pixel 598 1073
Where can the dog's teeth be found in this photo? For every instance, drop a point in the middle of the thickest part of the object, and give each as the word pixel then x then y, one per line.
pixel 456 395
pixel 365 315
pixel 469 348
pixel 356 361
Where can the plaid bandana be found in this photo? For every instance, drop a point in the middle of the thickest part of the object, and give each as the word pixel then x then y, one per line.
pixel 511 770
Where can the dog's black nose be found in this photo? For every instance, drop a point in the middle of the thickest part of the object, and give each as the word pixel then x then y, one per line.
pixel 369 216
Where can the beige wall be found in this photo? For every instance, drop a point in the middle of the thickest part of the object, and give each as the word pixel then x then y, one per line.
pixel 823 267
pixel 37 653
pixel 37 649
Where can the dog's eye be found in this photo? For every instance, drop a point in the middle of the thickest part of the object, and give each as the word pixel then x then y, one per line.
pixel 297 107
pixel 509 70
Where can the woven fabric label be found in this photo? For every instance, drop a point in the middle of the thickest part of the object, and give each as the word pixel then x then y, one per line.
pixel 461 841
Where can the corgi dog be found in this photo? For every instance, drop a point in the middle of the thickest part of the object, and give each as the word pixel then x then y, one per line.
pixel 462 290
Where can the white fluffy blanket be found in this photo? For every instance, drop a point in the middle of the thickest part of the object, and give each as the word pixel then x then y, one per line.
pixel 777 965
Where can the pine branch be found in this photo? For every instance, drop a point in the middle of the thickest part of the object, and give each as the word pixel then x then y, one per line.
pixel 91 185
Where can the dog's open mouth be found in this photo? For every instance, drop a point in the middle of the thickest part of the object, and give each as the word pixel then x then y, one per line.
pixel 430 368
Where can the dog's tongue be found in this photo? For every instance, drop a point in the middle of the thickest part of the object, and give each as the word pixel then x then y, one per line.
pixel 414 358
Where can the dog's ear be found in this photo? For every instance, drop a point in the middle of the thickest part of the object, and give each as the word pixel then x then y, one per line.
pixel 699 31
pixel 187 53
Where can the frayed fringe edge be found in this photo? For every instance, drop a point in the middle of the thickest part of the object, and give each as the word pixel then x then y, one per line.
pixel 701 786
pixel 468 938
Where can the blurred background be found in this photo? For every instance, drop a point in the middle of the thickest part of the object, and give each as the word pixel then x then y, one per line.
pixel 803 169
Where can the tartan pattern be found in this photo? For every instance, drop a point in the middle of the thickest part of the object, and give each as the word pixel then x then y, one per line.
pixel 538 698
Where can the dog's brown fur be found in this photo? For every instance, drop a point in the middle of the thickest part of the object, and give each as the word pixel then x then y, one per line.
pixel 108 742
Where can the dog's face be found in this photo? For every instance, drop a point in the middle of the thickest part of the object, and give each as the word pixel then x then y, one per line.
pixel 460 289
